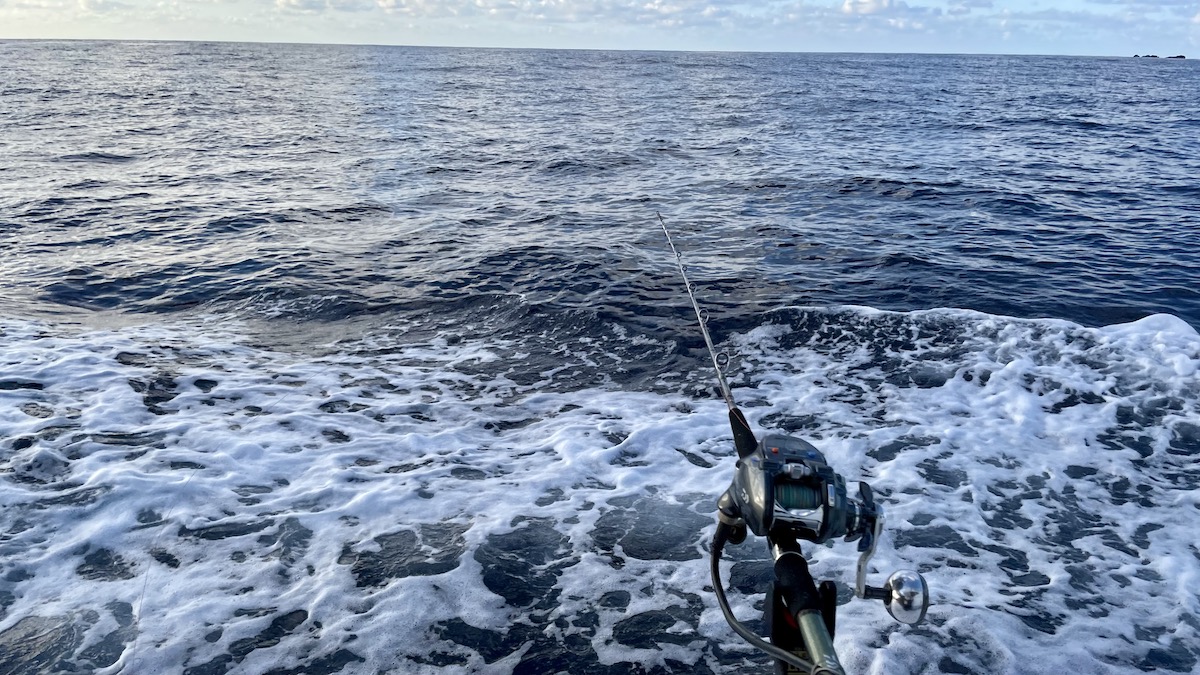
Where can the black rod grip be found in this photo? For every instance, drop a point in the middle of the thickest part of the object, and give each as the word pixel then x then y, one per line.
pixel 795 584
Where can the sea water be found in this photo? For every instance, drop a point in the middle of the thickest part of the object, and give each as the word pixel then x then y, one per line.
pixel 322 359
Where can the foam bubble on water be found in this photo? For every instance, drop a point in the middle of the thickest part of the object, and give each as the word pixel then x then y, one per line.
pixel 426 506
pixel 267 478
pixel 1033 477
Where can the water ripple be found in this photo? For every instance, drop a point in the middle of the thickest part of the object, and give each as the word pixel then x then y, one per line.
pixel 166 178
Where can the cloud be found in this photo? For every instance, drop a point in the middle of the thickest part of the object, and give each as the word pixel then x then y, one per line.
pixel 102 6
pixel 305 6
pixel 1151 4
pixel 1029 26
pixel 963 7
pixel 316 6
pixel 432 9
pixel 424 8
pixel 609 13
pixel 866 6
pixel 1147 9
pixel 43 5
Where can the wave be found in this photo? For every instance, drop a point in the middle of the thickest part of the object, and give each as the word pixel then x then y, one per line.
pixel 98 158
pixel 393 482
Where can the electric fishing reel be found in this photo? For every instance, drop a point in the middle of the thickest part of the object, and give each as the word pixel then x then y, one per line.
pixel 784 489
pixel 787 488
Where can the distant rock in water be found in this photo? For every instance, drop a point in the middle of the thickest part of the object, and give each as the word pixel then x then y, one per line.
pixel 1181 56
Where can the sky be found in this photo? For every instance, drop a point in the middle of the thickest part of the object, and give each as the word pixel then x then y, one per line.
pixel 1077 27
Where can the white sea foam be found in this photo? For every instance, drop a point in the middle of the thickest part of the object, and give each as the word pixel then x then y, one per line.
pixel 258 510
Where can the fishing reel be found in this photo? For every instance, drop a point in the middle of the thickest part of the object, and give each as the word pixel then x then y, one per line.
pixel 787 488
pixel 784 489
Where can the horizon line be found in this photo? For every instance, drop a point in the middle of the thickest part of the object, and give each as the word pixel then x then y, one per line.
pixel 572 49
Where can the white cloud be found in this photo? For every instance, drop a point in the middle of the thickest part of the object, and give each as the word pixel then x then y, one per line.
pixel 102 6
pixel 606 13
pixel 423 8
pixel 315 6
pixel 1145 4
pixel 351 5
pixel 306 6
pixel 1021 26
pixel 42 5
pixel 906 24
pixel 866 6
pixel 963 7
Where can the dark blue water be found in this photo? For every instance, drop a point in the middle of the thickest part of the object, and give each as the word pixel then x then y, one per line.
pixel 327 183
pixel 394 372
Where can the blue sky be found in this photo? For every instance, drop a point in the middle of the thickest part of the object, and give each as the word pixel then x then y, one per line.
pixel 1089 27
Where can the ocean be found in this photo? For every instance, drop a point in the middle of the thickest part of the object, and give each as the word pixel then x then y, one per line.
pixel 350 359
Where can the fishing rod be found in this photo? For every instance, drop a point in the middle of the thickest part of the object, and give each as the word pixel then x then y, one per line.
pixel 784 489
pixel 743 437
